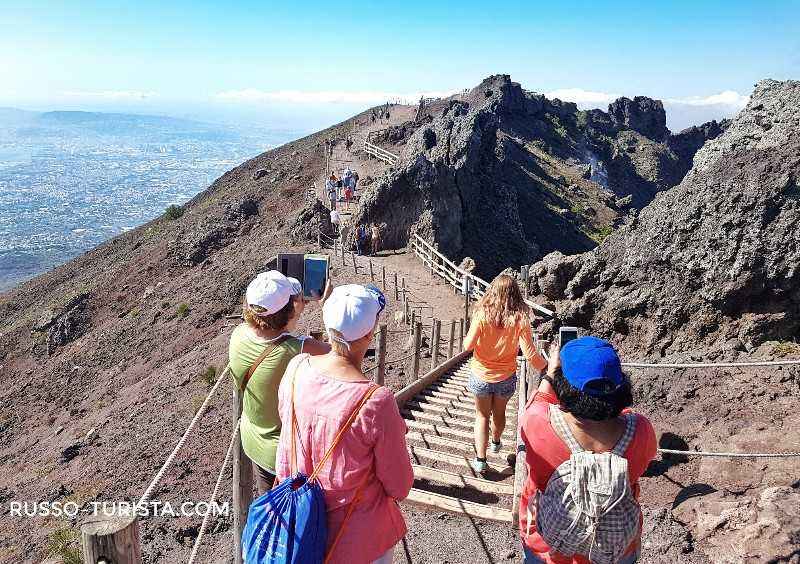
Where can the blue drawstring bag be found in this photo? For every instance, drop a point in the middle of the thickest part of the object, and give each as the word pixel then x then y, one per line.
pixel 288 524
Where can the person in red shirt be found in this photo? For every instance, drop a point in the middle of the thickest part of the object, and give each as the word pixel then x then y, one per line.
pixel 593 394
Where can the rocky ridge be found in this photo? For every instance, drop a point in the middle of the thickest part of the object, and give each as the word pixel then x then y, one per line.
pixel 507 176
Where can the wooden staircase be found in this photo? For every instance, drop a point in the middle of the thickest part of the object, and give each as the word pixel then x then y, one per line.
pixel 439 412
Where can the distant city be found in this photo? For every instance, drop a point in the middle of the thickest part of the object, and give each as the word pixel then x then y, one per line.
pixel 71 180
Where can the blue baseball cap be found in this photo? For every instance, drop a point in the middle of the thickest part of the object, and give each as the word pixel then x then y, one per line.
pixel 592 366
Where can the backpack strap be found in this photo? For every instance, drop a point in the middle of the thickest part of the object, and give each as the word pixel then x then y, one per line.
pixel 562 429
pixel 626 438
pixel 271 346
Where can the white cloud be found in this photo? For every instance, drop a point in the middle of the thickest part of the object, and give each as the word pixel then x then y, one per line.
pixel 582 97
pixel 725 98
pixel 253 95
pixel 111 94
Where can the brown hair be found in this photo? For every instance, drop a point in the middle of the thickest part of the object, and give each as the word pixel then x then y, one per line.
pixel 502 305
pixel 274 322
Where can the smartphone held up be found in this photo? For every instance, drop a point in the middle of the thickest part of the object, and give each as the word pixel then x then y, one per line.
pixel 312 270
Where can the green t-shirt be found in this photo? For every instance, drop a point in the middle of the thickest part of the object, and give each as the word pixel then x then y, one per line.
pixel 260 428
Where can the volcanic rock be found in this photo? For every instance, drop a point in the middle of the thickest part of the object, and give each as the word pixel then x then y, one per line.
pixel 507 176
pixel 642 114
pixel 713 259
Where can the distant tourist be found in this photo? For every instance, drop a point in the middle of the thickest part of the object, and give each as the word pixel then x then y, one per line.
pixel 375 238
pixel 330 190
pixel 260 348
pixel 499 326
pixel 585 452
pixel 369 469
pixel 362 239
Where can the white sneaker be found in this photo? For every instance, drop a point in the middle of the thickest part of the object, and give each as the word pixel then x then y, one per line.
pixel 495 446
pixel 479 466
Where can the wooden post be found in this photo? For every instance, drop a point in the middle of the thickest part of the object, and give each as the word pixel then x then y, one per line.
pixel 242 483
pixel 380 373
pixel 383 270
pixel 355 264
pixel 403 285
pixel 319 240
pixel 520 467
pixel 416 345
pixel 413 322
pixel 460 335
pixel 371 272
pixel 405 308
pixel 451 342
pixel 111 539
pixel 396 289
pixel 466 299
pixel 436 334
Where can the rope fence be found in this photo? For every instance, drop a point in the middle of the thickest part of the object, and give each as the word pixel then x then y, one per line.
pixel 729 454
pixel 215 492
pixel 712 364
pixel 171 458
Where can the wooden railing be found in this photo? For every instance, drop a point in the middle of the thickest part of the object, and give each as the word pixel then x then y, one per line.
pixel 380 153
pixel 455 275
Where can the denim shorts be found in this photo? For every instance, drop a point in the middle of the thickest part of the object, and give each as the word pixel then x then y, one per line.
pixel 480 387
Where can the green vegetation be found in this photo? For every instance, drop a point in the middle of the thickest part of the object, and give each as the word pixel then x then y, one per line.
pixel 604 232
pixel 209 375
pixel 174 212
pixel 785 348
pixel 135 312
pixel 64 542
pixel 183 310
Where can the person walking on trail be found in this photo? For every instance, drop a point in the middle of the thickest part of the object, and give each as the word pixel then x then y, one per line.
pixel 329 399
pixel 259 350
pixel 349 183
pixel 330 190
pixel 375 239
pixel 585 452
pixel 362 239
pixel 499 326
pixel 336 220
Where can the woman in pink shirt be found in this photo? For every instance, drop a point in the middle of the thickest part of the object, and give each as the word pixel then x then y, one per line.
pixel 370 468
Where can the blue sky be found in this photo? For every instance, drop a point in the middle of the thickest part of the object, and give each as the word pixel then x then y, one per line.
pixel 315 62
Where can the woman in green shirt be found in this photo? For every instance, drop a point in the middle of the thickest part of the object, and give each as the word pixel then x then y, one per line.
pixel 260 348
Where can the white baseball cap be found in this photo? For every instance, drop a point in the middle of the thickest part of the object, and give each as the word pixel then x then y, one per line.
pixel 352 310
pixel 272 291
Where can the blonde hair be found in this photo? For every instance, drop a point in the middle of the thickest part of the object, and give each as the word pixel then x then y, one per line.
pixel 335 339
pixel 503 305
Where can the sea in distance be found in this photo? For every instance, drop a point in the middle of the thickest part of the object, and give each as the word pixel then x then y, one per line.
pixel 71 180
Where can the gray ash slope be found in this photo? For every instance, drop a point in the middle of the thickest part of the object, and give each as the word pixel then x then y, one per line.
pixel 711 263
pixel 506 176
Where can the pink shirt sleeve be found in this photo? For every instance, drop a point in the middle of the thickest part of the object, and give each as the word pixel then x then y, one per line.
pixel 392 462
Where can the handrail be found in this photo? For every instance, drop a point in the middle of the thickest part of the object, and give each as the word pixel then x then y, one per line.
pixel 478 281
pixel 380 153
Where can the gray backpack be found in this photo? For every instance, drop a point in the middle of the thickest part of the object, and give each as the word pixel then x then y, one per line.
pixel 588 507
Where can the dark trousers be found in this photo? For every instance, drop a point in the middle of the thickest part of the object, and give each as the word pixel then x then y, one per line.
pixel 264 479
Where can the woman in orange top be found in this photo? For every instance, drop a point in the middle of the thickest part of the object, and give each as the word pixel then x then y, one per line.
pixel 500 325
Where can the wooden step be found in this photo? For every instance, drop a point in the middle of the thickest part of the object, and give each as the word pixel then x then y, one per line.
pixel 461 481
pixel 455 460
pixel 455 505
pixel 448 421
pixel 435 408
pixel 458 404
pixel 440 430
pixel 463 446
pixel 445 395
